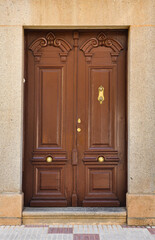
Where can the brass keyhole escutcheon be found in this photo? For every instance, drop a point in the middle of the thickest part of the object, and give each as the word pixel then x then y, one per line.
pixel 79 120
pixel 49 159
pixel 100 159
pixel 78 129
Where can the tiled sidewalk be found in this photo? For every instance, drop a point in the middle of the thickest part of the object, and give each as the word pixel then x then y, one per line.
pixel 76 232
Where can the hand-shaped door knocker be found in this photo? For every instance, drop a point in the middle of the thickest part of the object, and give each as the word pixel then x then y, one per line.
pixel 101 94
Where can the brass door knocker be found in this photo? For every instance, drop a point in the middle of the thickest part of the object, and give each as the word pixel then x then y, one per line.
pixel 101 94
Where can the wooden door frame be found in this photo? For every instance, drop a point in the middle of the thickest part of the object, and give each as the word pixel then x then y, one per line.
pixel 87 28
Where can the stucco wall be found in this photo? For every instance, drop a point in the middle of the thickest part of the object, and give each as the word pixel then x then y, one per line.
pixel 77 12
pixel 141 110
pixel 139 17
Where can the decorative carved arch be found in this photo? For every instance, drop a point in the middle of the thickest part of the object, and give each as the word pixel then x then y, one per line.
pixel 101 40
pixel 50 40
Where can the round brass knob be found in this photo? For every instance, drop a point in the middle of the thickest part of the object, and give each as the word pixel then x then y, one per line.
pixel 100 159
pixel 78 129
pixel 49 159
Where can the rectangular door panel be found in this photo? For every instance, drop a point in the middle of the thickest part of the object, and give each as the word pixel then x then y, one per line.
pixel 101 128
pixel 101 181
pixel 49 186
pixel 101 186
pixel 49 108
pixel 51 98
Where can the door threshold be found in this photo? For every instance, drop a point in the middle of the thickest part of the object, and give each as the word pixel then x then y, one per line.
pixel 74 215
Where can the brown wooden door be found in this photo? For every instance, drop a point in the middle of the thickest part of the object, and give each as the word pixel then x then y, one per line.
pixel 75 115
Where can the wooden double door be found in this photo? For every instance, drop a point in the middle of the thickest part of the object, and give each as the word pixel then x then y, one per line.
pixel 75 118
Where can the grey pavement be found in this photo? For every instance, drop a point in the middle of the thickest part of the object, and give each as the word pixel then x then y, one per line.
pixel 76 232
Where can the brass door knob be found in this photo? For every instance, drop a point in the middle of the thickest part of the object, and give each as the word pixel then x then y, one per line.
pixel 78 129
pixel 49 159
pixel 100 159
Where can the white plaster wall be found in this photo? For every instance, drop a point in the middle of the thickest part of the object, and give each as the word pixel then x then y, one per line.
pixel 139 16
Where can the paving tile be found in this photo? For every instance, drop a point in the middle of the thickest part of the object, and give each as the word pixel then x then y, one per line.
pixel 77 232
pixel 96 229
pixel 112 236
pixel 36 226
pixel 33 233
pixel 137 233
pixel 151 230
pixel 81 229
pixel 10 231
pixel 106 229
pixel 86 237
pixel 91 229
pixel 119 227
pixel 126 226
pixel 100 229
pixel 85 229
pixel 75 228
pixel 61 230
pixel 116 229
pixel 60 237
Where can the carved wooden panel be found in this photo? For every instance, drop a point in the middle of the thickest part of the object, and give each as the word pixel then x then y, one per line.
pixel 101 122
pixel 49 116
pixel 101 184
pixel 102 177
pixel 50 180
pixel 50 40
pixel 49 184
pixel 100 180
pixel 101 41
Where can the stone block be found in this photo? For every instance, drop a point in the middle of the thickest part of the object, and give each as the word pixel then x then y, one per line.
pixel 11 206
pixel 140 209
pixel 73 215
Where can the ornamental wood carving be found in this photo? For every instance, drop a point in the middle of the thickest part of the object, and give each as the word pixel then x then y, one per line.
pixel 99 41
pixel 50 40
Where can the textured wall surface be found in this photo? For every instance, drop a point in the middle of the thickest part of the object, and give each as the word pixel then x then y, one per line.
pixel 11 67
pixel 139 17
pixel 76 12
pixel 141 110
